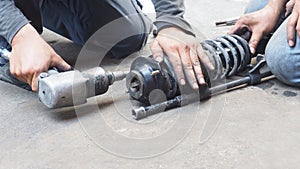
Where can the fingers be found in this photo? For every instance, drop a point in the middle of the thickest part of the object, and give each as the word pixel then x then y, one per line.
pixel 243 30
pixel 34 81
pixel 254 40
pixel 291 33
pixel 235 29
pixel 157 51
pixel 298 26
pixel 197 67
pixel 204 58
pixel 19 72
pixel 182 52
pixel 29 73
pixel 59 63
pixel 240 27
pixel 289 7
pixel 25 75
pixel 177 66
pixel 187 65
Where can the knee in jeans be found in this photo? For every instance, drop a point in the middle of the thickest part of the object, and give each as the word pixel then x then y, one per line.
pixel 127 46
pixel 282 66
pixel 134 39
pixel 255 5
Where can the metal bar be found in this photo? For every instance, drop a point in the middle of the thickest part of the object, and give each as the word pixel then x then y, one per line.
pixel 143 112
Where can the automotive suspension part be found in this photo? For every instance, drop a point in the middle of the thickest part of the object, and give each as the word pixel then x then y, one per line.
pixel 230 56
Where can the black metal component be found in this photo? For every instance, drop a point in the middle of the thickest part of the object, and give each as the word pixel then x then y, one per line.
pixel 178 101
pixel 146 75
pixel 230 55
pixel 227 22
pixel 143 112
pixel 254 77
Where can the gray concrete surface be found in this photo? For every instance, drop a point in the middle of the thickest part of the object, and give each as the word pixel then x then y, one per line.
pixel 254 127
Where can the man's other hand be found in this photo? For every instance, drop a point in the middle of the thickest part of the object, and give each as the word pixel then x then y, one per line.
pixel 183 51
pixel 256 25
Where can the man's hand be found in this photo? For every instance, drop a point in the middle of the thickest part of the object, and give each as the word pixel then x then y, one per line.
pixel 31 55
pixel 258 24
pixel 184 52
pixel 293 25
pixel 289 7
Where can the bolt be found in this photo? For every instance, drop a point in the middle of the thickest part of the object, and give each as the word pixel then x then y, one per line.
pixel 155 72
pixel 43 75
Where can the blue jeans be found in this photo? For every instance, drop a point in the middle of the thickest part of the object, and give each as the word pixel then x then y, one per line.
pixel 283 60
pixel 78 20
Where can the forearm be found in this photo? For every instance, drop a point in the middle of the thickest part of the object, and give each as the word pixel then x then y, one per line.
pixel 11 19
pixel 170 13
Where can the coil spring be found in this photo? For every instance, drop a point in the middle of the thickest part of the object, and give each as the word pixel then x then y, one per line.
pixel 230 55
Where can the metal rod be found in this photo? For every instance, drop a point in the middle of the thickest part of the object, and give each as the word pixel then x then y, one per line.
pixel 143 112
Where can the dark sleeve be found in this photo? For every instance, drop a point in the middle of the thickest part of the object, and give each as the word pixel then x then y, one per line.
pixel 169 13
pixel 11 19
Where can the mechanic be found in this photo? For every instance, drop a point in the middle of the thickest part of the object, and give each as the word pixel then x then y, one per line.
pixel 21 22
pixel 281 19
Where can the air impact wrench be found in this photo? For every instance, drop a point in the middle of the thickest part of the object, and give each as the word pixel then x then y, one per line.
pixel 61 89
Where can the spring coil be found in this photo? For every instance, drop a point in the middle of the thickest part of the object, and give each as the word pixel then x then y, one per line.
pixel 230 55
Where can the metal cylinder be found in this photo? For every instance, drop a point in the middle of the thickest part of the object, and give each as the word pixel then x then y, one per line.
pixel 74 87
pixel 147 75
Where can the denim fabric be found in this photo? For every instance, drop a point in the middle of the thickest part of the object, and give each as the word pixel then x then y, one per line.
pixel 255 5
pixel 78 20
pixel 283 60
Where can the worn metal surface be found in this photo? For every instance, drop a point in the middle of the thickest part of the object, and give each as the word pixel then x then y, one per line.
pixel 74 87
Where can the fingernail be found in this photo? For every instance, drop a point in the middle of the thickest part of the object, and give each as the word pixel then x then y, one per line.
pixel 252 50
pixel 291 43
pixel 202 81
pixel 195 86
pixel 182 82
pixel 159 59
pixel 34 88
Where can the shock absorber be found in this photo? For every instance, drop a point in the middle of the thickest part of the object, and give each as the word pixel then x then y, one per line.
pixel 230 55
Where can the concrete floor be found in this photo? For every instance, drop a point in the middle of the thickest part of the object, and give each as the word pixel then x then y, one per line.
pixel 253 127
